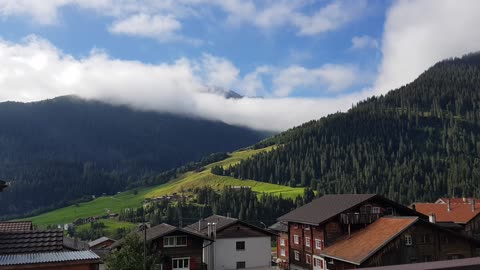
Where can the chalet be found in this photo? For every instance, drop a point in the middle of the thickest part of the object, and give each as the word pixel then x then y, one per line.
pixel 237 244
pixel 461 214
pixel 396 240
pixel 176 248
pixel 317 230
pixel 281 229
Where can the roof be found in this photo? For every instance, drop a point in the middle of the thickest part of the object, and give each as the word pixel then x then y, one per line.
pixel 324 208
pixel 74 244
pixel 99 241
pixel 364 243
pixel 459 212
pixel 15 226
pixel 31 241
pixel 453 200
pixel 48 257
pixel 438 265
pixel 279 227
pixel 159 231
pixel 222 223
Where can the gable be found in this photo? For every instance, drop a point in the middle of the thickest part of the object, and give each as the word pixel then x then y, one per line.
pixel 241 230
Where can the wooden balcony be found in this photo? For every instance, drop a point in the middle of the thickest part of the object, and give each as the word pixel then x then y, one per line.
pixel 357 218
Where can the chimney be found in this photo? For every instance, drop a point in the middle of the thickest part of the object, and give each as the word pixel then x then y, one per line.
pixel 214 230
pixel 448 205
pixel 432 218
pixel 209 229
pixel 473 204
pixel 199 224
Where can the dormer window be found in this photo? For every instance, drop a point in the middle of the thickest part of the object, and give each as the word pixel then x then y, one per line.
pixel 175 241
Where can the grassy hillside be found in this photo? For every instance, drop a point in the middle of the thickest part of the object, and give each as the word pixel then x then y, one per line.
pixel 188 181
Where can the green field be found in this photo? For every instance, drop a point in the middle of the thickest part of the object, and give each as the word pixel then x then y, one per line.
pixel 187 181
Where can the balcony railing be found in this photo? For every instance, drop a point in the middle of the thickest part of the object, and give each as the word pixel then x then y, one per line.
pixel 357 218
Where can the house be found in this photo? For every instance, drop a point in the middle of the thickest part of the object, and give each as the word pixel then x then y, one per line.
pixel 281 229
pixel 461 214
pixel 15 226
pixel 179 249
pixel 42 250
pixel 237 244
pixel 101 243
pixel 396 240
pixel 319 224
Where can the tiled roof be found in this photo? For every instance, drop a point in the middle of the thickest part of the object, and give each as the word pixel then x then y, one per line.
pixel 49 257
pixel 15 226
pixel 324 208
pixel 453 200
pixel 459 212
pixel 99 241
pixel 31 241
pixel 366 242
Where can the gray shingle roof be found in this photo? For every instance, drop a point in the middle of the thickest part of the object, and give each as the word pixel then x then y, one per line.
pixel 74 244
pixel 48 257
pixel 98 241
pixel 324 208
pixel 202 225
pixel 31 241
pixel 279 227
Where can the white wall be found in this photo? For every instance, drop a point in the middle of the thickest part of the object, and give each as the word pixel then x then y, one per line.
pixel 257 253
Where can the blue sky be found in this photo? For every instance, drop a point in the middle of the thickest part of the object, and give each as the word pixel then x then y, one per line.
pixel 317 56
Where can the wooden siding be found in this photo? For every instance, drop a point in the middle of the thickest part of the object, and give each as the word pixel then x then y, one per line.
pixel 193 250
pixel 239 230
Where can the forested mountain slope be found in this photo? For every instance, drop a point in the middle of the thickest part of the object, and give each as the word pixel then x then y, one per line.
pixel 59 150
pixel 416 143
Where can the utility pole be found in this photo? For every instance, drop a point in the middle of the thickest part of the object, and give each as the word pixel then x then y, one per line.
pixel 144 238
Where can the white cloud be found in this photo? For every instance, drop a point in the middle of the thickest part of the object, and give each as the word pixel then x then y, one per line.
pixel 362 42
pixel 35 70
pixel 420 33
pixel 143 25
pixel 332 77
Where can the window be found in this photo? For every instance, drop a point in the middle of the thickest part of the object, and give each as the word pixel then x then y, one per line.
pixel 240 265
pixel 408 240
pixel 295 239
pixel 297 255
pixel 307 241
pixel 282 242
pixel 376 210
pixel 241 245
pixel 426 238
pixel 181 263
pixel 306 227
pixel 318 244
pixel 308 258
pixel 282 252
pixel 175 241
pixel 318 263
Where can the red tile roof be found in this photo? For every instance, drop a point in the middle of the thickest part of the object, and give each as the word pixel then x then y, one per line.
pixel 453 200
pixel 15 226
pixel 364 243
pixel 459 212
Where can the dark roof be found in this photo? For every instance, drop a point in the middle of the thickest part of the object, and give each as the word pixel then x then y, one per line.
pixel 279 227
pixel 222 223
pixel 159 231
pixel 15 226
pixel 438 265
pixel 49 257
pixel 324 208
pixel 74 244
pixel 99 241
pixel 31 241
pixel 364 243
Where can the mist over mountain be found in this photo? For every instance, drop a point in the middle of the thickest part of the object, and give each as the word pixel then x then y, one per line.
pixel 59 150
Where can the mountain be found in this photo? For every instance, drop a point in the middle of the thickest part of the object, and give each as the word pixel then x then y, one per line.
pixel 416 143
pixel 224 92
pixel 60 150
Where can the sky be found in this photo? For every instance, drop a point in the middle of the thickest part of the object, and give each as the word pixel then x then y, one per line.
pixel 293 60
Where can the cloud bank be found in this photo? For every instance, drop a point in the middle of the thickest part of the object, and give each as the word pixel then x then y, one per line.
pixel 35 70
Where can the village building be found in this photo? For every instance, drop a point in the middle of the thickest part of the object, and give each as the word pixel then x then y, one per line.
pixel 101 243
pixel 316 229
pixel 237 244
pixel 176 248
pixel 281 229
pixel 460 214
